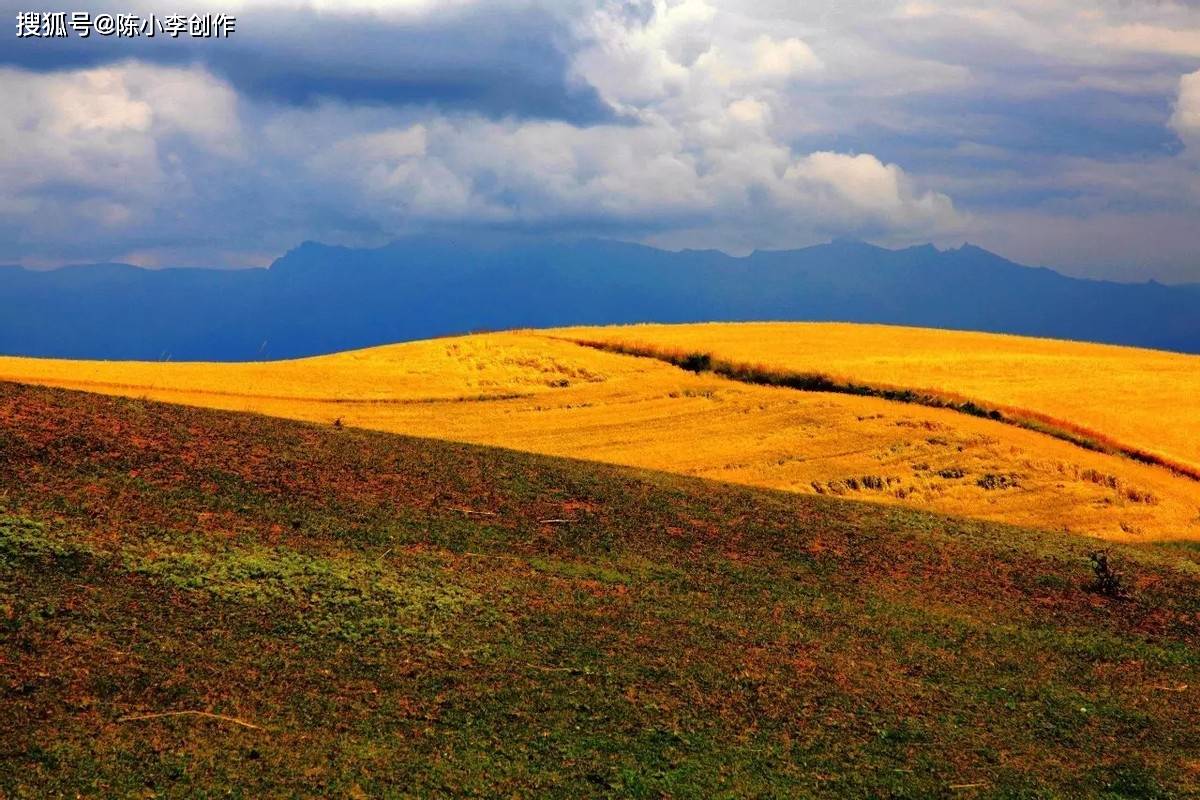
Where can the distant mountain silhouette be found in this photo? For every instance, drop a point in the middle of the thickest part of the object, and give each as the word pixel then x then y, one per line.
pixel 318 298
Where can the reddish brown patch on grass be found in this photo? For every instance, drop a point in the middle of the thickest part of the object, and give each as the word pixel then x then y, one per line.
pixel 862 638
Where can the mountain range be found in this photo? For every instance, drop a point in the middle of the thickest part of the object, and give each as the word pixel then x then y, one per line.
pixel 319 298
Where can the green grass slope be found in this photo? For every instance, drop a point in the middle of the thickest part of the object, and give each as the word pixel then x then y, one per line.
pixel 195 603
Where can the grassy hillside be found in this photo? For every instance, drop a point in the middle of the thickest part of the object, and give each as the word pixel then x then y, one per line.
pixel 1142 399
pixel 532 392
pixel 196 603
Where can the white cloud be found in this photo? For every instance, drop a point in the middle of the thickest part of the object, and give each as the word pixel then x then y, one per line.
pixel 783 58
pixel 645 175
pixel 96 156
pixel 630 61
pixel 109 128
pixel 1186 119
pixel 862 188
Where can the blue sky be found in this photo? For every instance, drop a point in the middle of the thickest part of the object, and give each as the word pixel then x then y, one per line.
pixel 1053 132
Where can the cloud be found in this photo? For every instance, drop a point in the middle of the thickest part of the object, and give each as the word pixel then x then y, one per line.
pixel 500 58
pixel 646 177
pixel 718 123
pixel 1151 39
pixel 693 144
pixel 90 157
pixel 870 194
pixel 113 129
pixel 1186 119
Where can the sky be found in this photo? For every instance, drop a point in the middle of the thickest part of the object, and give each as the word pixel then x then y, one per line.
pixel 1054 132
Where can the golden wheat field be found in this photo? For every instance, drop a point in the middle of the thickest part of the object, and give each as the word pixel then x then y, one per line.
pixel 1145 399
pixel 539 392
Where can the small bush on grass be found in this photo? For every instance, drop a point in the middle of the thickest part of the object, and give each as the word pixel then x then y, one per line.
pixel 1107 581
pixel 696 362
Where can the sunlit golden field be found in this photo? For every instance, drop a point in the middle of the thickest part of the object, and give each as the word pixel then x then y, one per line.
pixel 533 391
pixel 1146 399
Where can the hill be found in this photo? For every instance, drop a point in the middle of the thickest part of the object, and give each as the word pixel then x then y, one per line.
pixel 198 602
pixel 540 392
pixel 321 299
pixel 1138 399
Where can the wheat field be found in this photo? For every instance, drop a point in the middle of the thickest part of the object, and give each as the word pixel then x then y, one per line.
pixel 1146 399
pixel 539 392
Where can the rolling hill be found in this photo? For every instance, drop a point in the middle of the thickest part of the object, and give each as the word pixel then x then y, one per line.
pixel 540 392
pixel 201 602
pixel 321 299
pixel 1141 399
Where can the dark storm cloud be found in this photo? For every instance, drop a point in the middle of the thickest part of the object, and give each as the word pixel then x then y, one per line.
pixel 492 61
